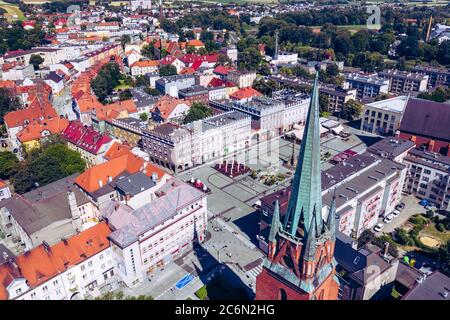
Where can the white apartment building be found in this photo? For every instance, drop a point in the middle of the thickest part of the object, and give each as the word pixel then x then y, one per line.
pixel 218 93
pixel 383 117
pixel 242 79
pixel 181 147
pixel 152 236
pixel 72 269
pixel 19 73
pixel 428 177
pixel 366 86
pixel 403 81
pixel 137 5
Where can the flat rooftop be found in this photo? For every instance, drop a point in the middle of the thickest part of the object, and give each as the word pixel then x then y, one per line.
pixel 396 104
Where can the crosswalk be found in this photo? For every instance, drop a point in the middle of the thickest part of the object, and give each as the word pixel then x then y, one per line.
pixel 255 271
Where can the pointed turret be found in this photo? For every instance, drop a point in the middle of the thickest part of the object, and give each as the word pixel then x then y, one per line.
pixel 306 191
pixel 275 226
pixel 310 246
pixel 331 219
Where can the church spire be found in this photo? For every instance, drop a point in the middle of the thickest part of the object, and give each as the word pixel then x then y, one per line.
pixel 331 219
pixel 306 191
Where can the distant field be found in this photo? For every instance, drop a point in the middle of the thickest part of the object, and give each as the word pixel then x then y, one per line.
pixel 12 9
pixel 351 28
pixel 35 1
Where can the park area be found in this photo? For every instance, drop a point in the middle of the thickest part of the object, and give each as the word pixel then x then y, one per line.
pixel 13 11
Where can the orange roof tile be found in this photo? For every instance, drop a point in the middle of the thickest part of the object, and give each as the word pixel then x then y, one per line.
pixel 116 150
pixel 39 265
pixel 195 43
pixel 166 104
pixel 245 93
pixel 34 130
pixel 89 180
pixel 145 63
pixel 112 111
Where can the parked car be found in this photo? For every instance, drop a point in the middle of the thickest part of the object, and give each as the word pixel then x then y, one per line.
pixel 400 206
pixel 395 213
pixel 424 202
pixel 388 219
pixel 378 227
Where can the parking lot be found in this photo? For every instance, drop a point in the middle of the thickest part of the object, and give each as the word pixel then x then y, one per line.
pixel 412 207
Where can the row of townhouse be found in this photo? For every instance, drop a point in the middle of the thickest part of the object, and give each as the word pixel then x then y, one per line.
pixel 71 269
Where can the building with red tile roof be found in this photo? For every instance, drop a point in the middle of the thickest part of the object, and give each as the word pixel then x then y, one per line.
pixel 56 272
pixel 196 44
pixel 30 136
pixel 245 94
pixel 91 144
pixel 168 108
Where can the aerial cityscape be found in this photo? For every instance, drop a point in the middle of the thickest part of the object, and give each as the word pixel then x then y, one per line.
pixel 224 150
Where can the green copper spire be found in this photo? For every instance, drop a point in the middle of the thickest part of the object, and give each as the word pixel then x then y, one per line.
pixel 275 226
pixel 310 247
pixel 306 192
pixel 331 223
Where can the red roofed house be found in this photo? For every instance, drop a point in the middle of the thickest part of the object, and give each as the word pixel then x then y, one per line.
pixel 37 107
pixel 171 60
pixel 110 180
pixel 245 94
pixel 140 68
pixel 37 131
pixel 91 144
pixel 169 108
pixel 28 24
pixel 70 269
pixel 196 44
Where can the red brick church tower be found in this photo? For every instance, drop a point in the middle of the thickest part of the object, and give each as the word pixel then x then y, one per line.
pixel 300 264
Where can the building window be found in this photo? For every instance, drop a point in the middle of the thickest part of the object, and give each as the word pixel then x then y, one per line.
pixel 90 263
pixel 55 282
pixel 44 288
pixel 18 291
pixel 83 267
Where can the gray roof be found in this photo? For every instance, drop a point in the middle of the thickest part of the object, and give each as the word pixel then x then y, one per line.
pixel 41 207
pixel 135 184
pixel 142 99
pixel 391 147
pixel 5 254
pixel 356 262
pixel 175 194
pixel 430 289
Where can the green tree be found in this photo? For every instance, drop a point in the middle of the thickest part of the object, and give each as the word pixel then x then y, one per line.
pixel 250 59
pixel 152 91
pixel 36 61
pixel 8 102
pixel 144 116
pixel 46 165
pixel 352 110
pixel 168 70
pixel 365 237
pixel 8 161
pixel 125 95
pixel 197 111
pixel 142 81
pixel 125 39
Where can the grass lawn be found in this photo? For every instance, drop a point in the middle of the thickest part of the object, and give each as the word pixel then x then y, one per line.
pixel 432 231
pixel 122 86
pixel 12 9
